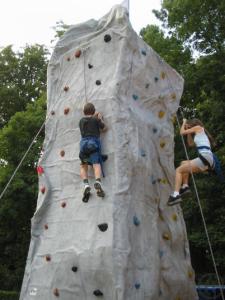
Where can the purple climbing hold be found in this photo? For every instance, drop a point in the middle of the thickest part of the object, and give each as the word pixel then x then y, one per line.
pixel 107 38
pixel 136 221
pixel 143 52
pixel 103 227
pixel 98 293
pixel 98 82
pixel 135 97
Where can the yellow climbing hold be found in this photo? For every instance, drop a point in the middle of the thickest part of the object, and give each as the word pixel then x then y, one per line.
pixel 163 180
pixel 163 75
pixel 174 119
pixel 161 114
pixel 178 298
pixel 174 217
pixel 190 274
pixel 166 236
pixel 161 217
pixel 173 96
pixel 162 144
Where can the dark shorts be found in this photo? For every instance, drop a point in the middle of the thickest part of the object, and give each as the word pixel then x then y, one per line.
pixel 90 151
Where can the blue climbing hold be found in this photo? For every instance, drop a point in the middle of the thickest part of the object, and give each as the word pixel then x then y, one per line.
pixel 136 221
pixel 135 97
pixel 154 130
pixel 156 79
pixel 137 285
pixel 153 180
pixel 143 154
pixel 143 52
pixel 147 85
pixel 161 253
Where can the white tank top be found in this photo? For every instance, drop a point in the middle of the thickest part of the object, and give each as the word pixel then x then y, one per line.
pixel 201 139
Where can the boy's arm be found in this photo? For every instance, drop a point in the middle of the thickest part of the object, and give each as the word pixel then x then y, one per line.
pixel 190 140
pixel 101 123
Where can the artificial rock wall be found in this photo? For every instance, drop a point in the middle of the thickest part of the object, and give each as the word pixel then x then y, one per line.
pixel 129 245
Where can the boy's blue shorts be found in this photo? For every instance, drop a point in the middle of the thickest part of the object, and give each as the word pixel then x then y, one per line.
pixel 90 155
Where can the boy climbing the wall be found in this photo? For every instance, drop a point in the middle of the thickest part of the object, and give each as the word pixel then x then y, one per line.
pixel 90 149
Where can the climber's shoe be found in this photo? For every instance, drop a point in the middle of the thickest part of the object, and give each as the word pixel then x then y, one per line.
pixel 99 190
pixel 174 200
pixel 185 190
pixel 86 193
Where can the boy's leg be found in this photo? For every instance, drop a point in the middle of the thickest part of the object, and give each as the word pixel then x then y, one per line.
pixel 84 176
pixel 98 185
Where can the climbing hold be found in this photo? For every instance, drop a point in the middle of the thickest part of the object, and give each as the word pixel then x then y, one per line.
pixel 154 130
pixel 143 154
pixel 190 274
pixel 48 258
pixel 66 111
pixel 173 119
pixel 77 53
pixel 90 66
pixel 161 253
pixel 161 216
pixel 137 285
pixel 163 180
pixel 174 217
pixel 103 227
pixel 178 298
pixel 52 112
pixel 98 293
pixel 162 144
pixel 46 226
pixel 173 96
pixel 74 269
pixel 147 85
pixel 107 38
pixel 166 236
pixel 135 97
pixel 98 82
pixel 143 52
pixel 66 88
pixel 68 59
pixel 63 204
pixel 161 114
pixel 43 190
pixel 56 292
pixel 156 79
pixel 62 153
pixel 163 75
pixel 40 170
pixel 136 221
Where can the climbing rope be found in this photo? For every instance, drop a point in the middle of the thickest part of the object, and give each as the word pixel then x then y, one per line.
pixel 24 156
pixel 201 211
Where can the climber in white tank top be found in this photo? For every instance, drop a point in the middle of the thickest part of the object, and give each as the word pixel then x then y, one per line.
pixel 202 140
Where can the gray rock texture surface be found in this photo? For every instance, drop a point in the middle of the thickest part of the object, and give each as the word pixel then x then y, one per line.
pixel 142 253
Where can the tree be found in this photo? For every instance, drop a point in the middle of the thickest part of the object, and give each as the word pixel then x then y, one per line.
pixel 22 79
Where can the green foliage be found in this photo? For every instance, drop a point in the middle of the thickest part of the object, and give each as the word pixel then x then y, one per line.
pixel 7 295
pixel 22 79
pixel 18 204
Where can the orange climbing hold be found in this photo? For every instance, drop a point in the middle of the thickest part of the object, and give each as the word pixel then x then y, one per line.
pixel 66 111
pixel 56 292
pixel 161 114
pixel 62 153
pixel 78 53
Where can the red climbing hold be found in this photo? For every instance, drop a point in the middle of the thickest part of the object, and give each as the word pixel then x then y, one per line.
pixel 43 190
pixel 48 258
pixel 77 53
pixel 40 170
pixel 46 226
pixel 56 292
pixel 66 88
pixel 63 204
pixel 66 111
pixel 52 112
pixel 62 153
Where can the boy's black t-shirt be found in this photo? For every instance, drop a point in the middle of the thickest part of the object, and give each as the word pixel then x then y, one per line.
pixel 90 126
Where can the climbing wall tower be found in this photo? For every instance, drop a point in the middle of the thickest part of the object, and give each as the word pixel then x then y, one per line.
pixel 129 245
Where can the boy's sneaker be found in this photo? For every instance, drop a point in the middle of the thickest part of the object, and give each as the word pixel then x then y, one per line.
pixel 86 193
pixel 99 190
pixel 174 200
pixel 185 190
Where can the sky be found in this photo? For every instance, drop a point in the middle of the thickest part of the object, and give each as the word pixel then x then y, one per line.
pixel 31 21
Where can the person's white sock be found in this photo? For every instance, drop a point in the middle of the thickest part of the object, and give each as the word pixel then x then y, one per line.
pixel 175 193
pixel 185 185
